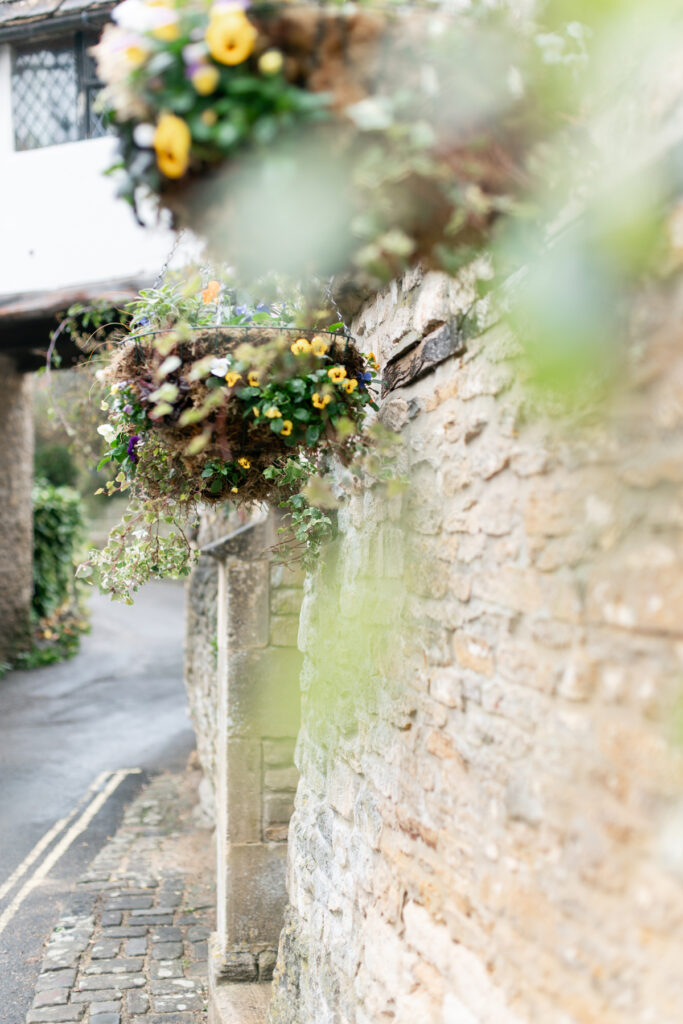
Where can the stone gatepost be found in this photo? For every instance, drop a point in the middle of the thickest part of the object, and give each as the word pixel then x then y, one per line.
pixel 16 515
pixel 258 699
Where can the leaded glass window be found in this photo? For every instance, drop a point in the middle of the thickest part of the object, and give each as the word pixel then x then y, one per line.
pixel 53 91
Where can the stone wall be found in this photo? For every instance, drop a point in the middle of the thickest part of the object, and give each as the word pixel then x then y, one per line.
pixel 489 822
pixel 16 515
pixel 242 676
pixel 201 658
pixel 279 605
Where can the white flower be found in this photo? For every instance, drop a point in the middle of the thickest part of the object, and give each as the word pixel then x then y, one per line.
pixel 219 367
pixel 371 115
pixel 107 432
pixel 194 53
pixel 114 66
pixel 136 16
pixel 143 135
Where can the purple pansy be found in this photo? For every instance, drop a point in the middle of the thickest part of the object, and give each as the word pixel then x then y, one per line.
pixel 132 445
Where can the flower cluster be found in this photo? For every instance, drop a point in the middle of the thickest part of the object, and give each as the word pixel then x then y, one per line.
pixel 428 128
pixel 215 398
pixel 227 418
pixel 185 86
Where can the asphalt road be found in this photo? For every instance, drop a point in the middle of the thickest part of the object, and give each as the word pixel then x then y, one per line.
pixel 119 704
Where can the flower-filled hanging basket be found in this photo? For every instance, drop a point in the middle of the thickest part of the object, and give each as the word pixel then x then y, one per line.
pixel 218 414
pixel 319 139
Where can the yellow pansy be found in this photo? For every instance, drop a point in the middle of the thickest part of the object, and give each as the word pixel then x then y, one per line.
pixel 254 379
pixel 301 346
pixel 336 374
pixel 205 79
pixel 244 463
pixel 372 358
pixel 234 490
pixel 350 386
pixel 169 30
pixel 319 346
pixel 273 412
pixel 136 55
pixel 232 378
pixel 172 144
pixel 257 412
pixel 270 62
pixel 167 33
pixel 320 401
pixel 230 37
pixel 287 428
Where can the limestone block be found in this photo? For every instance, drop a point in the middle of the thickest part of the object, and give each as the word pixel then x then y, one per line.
pixel 277 809
pixel 247 594
pixel 284 630
pixel 285 600
pixel 263 688
pixel 243 822
pixel 281 778
pixel 256 894
pixel 278 753
pixel 638 598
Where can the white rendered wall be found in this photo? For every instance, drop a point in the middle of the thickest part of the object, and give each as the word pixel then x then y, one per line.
pixel 60 222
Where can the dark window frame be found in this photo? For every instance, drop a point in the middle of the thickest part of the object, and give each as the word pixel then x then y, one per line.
pixel 85 124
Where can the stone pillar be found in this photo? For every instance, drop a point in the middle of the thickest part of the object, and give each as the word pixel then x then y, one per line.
pixel 16 516
pixel 258 695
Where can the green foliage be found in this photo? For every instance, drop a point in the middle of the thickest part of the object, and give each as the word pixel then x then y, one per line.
pixel 58 615
pixel 149 543
pixel 54 462
pixel 309 526
pixel 91 324
pixel 55 639
pixel 58 529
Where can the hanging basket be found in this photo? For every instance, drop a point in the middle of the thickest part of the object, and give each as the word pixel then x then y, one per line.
pixel 206 418
pixel 323 140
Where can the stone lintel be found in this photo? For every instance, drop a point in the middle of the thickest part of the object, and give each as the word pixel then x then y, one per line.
pixel 248 542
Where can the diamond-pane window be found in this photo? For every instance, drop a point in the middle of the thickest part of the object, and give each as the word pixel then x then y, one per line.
pixel 53 91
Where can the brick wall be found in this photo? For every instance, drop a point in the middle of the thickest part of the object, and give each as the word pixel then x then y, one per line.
pixel 489 823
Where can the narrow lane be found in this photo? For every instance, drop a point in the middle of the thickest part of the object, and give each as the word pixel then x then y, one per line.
pixel 64 729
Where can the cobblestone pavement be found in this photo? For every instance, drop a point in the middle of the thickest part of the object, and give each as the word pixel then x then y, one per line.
pixel 131 944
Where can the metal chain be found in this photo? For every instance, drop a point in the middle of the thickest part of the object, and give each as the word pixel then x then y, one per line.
pixel 162 273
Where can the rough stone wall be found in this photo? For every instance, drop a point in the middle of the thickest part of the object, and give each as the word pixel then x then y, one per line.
pixel 201 655
pixel 489 823
pixel 16 509
pixel 280 613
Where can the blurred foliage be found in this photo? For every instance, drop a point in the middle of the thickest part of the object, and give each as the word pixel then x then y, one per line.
pixel 54 462
pixel 66 417
pixel 58 612
pixel 58 528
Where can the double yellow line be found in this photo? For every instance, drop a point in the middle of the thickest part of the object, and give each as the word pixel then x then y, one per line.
pixel 95 798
